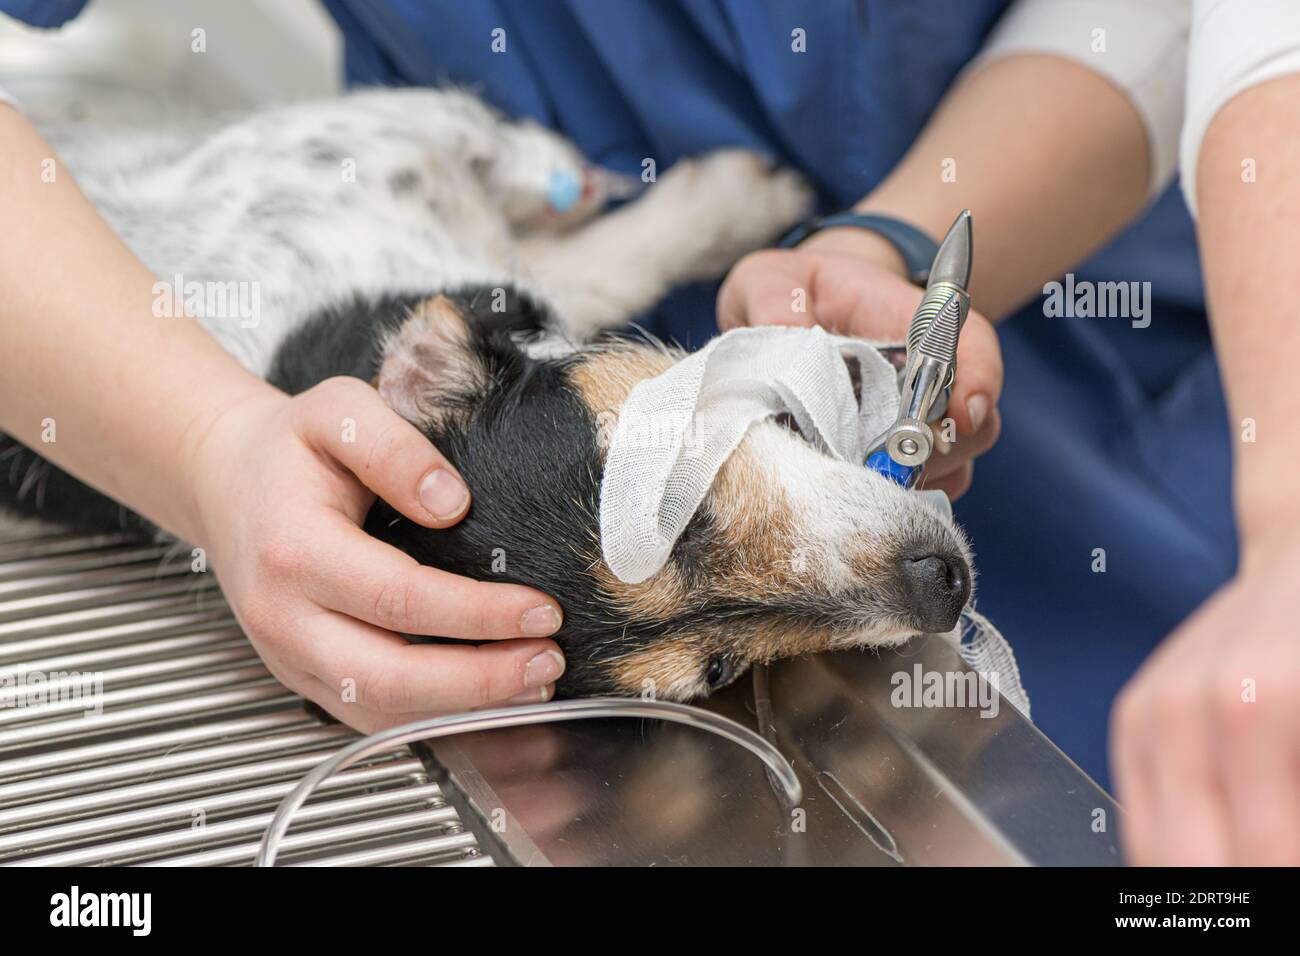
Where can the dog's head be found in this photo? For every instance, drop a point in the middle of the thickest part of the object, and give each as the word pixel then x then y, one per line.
pixel 790 552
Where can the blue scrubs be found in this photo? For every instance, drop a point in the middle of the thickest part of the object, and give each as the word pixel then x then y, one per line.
pixel 1114 437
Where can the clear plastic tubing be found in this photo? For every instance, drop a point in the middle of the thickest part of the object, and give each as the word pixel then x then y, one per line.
pixel 781 770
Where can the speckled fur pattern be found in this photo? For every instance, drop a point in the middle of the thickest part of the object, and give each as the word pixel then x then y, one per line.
pixel 392 191
pixel 403 237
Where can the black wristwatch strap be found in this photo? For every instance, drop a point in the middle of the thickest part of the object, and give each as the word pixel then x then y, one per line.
pixel 917 249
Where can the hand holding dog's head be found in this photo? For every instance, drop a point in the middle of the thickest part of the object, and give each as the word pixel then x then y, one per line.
pixel 790 552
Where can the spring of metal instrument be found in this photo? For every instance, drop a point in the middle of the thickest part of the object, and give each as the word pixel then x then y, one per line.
pixel 938 297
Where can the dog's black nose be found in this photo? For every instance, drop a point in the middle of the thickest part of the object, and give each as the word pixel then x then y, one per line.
pixel 938 587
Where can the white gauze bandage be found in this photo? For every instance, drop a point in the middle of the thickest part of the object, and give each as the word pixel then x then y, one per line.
pixel 677 429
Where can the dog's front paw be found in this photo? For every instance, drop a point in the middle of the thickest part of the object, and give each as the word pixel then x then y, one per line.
pixel 728 203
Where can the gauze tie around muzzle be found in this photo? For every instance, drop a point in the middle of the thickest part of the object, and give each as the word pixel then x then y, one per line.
pixel 676 430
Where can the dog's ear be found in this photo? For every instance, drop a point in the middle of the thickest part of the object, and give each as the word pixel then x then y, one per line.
pixel 431 364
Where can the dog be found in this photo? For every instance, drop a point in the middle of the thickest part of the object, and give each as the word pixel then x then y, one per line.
pixel 411 238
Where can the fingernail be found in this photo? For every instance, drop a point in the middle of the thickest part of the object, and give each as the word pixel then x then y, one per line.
pixel 978 408
pixel 536 696
pixel 443 494
pixel 543 669
pixel 540 621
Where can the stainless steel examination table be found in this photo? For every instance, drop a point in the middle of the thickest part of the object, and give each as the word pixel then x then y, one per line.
pixel 186 745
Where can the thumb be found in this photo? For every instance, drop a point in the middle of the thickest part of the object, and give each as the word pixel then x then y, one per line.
pixel 384 451
pixel 979 375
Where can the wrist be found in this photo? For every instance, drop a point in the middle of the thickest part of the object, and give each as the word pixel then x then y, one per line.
pixel 1266 504
pixel 858 243
pixel 1268 537
pixel 1269 531
pixel 214 446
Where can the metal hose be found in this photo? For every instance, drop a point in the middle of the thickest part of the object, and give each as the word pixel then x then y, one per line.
pixel 779 768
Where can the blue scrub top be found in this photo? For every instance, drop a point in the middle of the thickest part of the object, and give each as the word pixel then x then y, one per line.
pixel 629 79
pixel 1115 449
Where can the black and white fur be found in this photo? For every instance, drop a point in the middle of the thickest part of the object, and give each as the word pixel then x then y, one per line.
pixel 404 237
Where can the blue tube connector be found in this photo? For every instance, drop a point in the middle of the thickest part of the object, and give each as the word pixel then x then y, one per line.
pixel 564 190
pixel 881 463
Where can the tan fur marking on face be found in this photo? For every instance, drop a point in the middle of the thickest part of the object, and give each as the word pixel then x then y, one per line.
pixel 664 596
pixel 671 669
pixel 606 376
pixel 764 641
pixel 604 379
pixel 872 560
pixel 674 668
pixel 756 548
pixel 754 553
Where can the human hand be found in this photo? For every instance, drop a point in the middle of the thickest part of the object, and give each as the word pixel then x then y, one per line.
pixel 1205 741
pixel 281 497
pixel 854 283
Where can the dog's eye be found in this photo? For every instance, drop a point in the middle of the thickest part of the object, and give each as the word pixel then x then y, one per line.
pixel 720 671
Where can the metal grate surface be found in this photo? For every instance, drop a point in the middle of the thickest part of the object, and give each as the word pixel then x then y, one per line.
pixel 138 726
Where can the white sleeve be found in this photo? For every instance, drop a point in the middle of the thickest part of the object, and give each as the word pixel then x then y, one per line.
pixel 1138 45
pixel 6 98
pixel 1236 44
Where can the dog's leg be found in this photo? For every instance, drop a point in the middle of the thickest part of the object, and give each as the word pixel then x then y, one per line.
pixel 541 182
pixel 690 226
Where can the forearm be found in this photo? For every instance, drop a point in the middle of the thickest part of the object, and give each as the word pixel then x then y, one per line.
pixel 1051 158
pixel 128 394
pixel 1250 245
